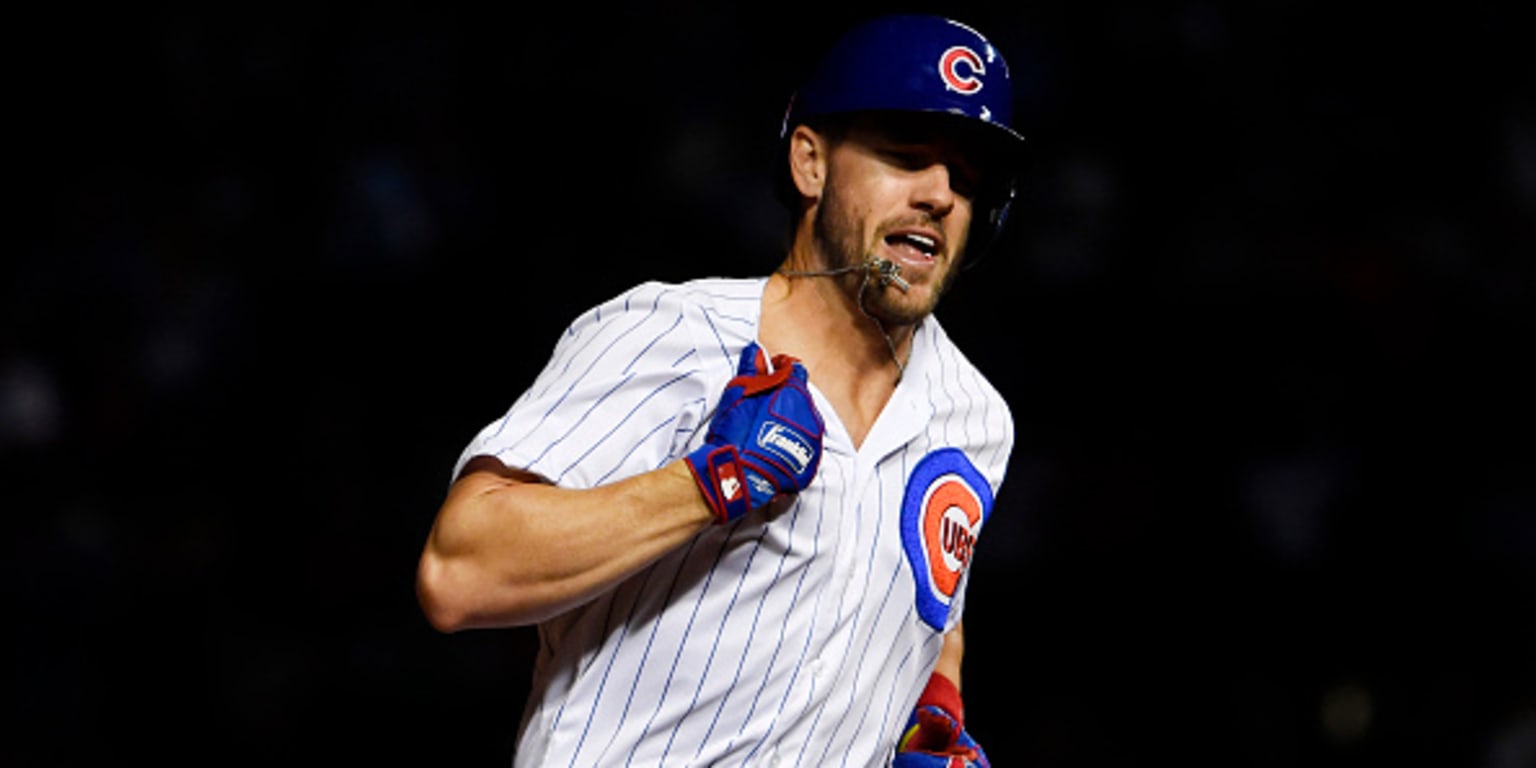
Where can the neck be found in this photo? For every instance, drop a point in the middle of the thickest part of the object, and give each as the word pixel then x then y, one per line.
pixel 836 302
pixel 848 355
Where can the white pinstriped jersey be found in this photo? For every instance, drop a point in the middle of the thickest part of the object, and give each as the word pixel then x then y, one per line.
pixel 804 639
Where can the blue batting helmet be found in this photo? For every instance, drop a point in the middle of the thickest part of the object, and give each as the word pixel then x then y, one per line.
pixel 926 64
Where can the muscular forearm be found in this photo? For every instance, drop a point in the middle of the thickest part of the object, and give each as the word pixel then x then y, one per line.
pixel 507 551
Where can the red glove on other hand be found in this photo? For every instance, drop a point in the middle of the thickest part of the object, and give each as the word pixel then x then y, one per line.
pixel 935 736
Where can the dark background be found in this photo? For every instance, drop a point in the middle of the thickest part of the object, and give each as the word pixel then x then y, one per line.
pixel 1264 318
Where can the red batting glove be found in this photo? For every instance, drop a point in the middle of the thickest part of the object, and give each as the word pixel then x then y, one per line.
pixel 935 736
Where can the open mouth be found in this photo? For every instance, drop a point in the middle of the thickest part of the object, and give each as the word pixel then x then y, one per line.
pixel 914 245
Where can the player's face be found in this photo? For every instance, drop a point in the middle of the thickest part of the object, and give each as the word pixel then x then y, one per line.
pixel 901 193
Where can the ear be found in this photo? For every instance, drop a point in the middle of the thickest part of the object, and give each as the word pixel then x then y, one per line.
pixel 808 161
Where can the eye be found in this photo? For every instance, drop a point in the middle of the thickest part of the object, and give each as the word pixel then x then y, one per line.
pixel 907 158
pixel 964 176
pixel 964 179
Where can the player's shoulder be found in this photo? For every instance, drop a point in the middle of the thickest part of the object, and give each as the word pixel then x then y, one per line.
pixel 715 293
pixel 731 295
pixel 947 356
pixel 720 309
pixel 737 299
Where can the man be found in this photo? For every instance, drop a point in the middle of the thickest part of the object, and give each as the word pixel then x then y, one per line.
pixel 740 511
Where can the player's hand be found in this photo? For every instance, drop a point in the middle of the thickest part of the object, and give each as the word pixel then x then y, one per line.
pixel 935 735
pixel 764 440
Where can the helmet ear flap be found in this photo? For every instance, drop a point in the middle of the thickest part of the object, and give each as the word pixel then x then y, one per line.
pixel 986 228
pixel 997 214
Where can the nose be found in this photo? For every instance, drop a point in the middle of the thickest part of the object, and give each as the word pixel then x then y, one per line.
pixel 934 191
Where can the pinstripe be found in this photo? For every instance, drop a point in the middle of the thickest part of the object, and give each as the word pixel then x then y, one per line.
pixel 687 630
pixel 657 626
pixel 778 642
pixel 988 418
pixel 677 664
pixel 612 656
pixel 604 438
pixel 804 743
pixel 714 646
pixel 794 519
pixel 954 403
pixel 980 400
pixel 859 671
pixel 574 353
pixel 716 331
pixel 858 617
pixel 894 715
pixel 895 719
pixel 965 421
pixel 684 428
pixel 672 668
pixel 935 385
pixel 598 695
pixel 852 704
pixel 885 597
pixel 731 318
pixel 573 345
pixel 892 580
pixel 609 393
pixel 618 465
pixel 675 322
pixel 822 707
pixel 789 687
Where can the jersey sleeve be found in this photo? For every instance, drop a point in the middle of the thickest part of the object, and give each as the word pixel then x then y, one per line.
pixel 621 394
pixel 992 448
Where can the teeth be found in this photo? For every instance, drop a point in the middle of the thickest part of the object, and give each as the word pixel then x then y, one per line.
pixel 921 242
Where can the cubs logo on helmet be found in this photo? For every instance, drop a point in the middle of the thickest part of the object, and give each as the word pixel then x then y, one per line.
pixel 967 81
pixel 946 502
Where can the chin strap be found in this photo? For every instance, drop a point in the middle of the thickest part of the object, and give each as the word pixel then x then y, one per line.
pixel 888 273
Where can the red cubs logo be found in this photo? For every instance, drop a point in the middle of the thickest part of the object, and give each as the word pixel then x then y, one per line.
pixel 945 505
pixel 951 515
pixel 961 69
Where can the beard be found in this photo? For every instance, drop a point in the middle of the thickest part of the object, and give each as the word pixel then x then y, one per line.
pixel 836 228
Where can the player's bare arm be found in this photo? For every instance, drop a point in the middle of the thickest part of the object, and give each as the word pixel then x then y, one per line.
pixel 935 735
pixel 951 654
pixel 508 549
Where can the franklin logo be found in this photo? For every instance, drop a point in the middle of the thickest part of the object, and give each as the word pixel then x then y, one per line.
pixel 786 445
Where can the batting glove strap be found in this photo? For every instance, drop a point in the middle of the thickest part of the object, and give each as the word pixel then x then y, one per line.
pixel 935 736
pixel 717 470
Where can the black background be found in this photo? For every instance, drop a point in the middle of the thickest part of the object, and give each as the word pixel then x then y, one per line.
pixel 1264 318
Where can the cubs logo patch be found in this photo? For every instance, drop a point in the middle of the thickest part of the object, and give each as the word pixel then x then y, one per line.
pixel 942 512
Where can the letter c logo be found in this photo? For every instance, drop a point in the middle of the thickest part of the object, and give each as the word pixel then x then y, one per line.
pixel 951 64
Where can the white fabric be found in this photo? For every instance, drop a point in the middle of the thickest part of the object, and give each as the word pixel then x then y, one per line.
pixel 794 640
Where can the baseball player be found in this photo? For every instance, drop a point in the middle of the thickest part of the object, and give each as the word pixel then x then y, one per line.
pixel 740 511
